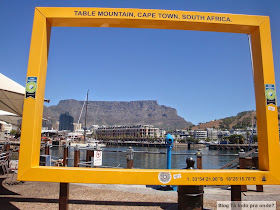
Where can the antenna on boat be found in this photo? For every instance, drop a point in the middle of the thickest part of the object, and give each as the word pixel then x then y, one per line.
pixel 85 128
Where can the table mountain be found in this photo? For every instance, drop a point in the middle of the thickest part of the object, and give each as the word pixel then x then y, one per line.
pixel 119 113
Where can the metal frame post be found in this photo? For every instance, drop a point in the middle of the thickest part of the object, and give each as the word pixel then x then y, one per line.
pixel 63 196
pixel 235 192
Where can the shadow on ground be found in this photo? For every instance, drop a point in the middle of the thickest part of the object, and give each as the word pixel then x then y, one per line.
pixel 5 201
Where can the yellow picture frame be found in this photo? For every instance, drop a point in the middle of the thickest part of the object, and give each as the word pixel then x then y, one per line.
pixel 267 116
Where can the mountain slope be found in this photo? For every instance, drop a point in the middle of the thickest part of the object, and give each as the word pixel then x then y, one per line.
pixel 242 120
pixel 119 113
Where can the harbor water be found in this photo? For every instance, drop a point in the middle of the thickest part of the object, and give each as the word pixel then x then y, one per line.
pixel 211 159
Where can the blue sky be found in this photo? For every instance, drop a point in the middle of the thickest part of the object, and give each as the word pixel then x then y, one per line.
pixel 204 75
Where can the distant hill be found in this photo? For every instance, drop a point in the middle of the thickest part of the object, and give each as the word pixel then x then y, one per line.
pixel 119 113
pixel 241 121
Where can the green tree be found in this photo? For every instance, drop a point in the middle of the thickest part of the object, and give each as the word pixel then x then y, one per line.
pixel 255 138
pixel 191 139
pixel 236 139
pixel 13 132
pixel 207 139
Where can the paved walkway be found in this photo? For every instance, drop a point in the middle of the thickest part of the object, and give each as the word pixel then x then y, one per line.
pixel 43 195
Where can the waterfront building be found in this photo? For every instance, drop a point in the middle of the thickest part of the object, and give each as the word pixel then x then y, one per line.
pixel 222 134
pixel 46 124
pixel 5 127
pixel 191 133
pixel 77 126
pixel 212 133
pixel 200 134
pixel 132 132
pixel 180 134
pixel 93 130
pixel 66 122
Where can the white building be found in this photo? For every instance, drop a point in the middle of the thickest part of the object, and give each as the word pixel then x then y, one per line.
pixel 212 133
pixel 180 134
pixel 77 126
pixel 223 134
pixel 200 134
pixel 136 131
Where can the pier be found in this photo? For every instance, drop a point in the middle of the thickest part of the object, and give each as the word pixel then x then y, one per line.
pixel 135 143
pixel 232 146
pixel 152 144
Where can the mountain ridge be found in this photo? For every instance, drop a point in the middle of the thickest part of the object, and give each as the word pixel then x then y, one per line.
pixel 119 113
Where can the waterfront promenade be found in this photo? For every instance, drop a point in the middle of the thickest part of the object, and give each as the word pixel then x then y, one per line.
pixel 44 195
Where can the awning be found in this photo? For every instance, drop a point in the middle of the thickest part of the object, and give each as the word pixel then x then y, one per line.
pixel 11 96
pixel 10 118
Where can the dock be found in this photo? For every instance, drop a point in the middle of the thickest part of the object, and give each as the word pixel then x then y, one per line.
pixel 135 143
pixel 152 144
pixel 232 146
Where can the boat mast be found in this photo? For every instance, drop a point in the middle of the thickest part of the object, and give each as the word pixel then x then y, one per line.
pixel 85 128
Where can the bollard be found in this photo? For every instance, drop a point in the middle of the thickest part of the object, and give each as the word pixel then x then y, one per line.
pixel 191 196
pixel 89 154
pixel 47 149
pixel 7 146
pixel 255 157
pixel 65 155
pixel 76 156
pixel 7 150
pixel 259 188
pixel 129 156
pixel 242 165
pixel 63 196
pixel 199 159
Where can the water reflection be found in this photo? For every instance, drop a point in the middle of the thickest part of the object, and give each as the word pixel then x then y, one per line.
pixel 152 161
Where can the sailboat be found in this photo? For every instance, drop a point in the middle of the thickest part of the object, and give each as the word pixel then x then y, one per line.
pixel 86 142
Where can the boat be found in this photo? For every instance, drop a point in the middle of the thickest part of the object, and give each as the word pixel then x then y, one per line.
pixel 89 144
pixel 82 133
pixel 94 141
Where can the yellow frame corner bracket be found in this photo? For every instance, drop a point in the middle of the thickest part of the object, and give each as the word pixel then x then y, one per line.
pixel 265 93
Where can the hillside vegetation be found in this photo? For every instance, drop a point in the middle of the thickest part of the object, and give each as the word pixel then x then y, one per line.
pixel 241 121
